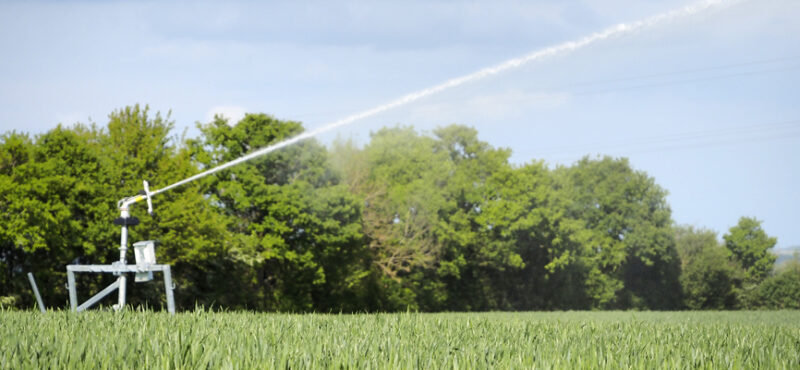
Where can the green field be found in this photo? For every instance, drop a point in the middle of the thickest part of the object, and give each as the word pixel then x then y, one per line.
pixel 407 340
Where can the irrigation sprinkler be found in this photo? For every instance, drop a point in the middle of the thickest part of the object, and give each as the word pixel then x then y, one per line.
pixel 144 252
pixel 145 256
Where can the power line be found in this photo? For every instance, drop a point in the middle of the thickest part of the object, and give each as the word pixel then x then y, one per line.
pixel 678 82
pixel 683 71
pixel 690 135
pixel 659 84
pixel 785 130
pixel 791 59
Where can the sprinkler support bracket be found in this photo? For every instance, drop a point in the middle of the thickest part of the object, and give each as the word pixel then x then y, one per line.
pixel 117 284
pixel 143 269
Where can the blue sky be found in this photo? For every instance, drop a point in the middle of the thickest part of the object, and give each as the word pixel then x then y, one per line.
pixel 708 105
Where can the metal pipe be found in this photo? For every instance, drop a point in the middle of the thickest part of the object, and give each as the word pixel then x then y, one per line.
pixel 123 249
pixel 97 297
pixel 36 292
pixel 73 294
pixel 168 288
pixel 122 280
pixel 123 242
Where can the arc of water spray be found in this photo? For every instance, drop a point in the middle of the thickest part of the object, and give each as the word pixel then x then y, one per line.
pixel 617 30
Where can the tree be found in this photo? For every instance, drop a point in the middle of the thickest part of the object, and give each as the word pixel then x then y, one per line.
pixel 709 279
pixel 49 199
pixel 780 291
pixel 470 267
pixel 16 150
pixel 399 178
pixel 691 242
pixel 474 233
pixel 61 191
pixel 632 243
pixel 430 221
pixel 546 264
pixel 749 245
pixel 423 198
pixel 298 233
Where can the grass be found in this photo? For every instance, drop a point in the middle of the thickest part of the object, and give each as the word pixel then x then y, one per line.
pixel 201 339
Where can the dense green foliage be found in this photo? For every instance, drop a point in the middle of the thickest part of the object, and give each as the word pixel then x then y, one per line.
pixel 58 197
pixel 408 221
pixel 781 290
pixel 750 245
pixel 570 340
pixel 710 280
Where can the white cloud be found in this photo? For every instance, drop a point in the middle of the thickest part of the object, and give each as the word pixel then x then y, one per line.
pixel 233 113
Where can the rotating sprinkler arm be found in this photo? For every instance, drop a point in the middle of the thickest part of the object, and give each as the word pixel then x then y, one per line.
pixel 145 194
pixel 148 194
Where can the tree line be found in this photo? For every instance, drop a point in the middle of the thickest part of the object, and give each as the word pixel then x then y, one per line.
pixel 408 221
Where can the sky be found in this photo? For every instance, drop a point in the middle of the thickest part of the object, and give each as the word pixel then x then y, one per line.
pixel 707 105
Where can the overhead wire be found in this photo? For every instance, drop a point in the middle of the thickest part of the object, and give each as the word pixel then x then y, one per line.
pixel 570 46
pixel 761 62
pixel 683 71
pixel 678 82
pixel 784 130
pixel 682 136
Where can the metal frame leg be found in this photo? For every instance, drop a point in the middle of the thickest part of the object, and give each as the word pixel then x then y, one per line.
pixel 73 295
pixel 168 289
pixel 122 285
pixel 36 292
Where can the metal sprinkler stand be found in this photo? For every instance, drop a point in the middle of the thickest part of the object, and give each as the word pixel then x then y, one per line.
pixel 144 267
